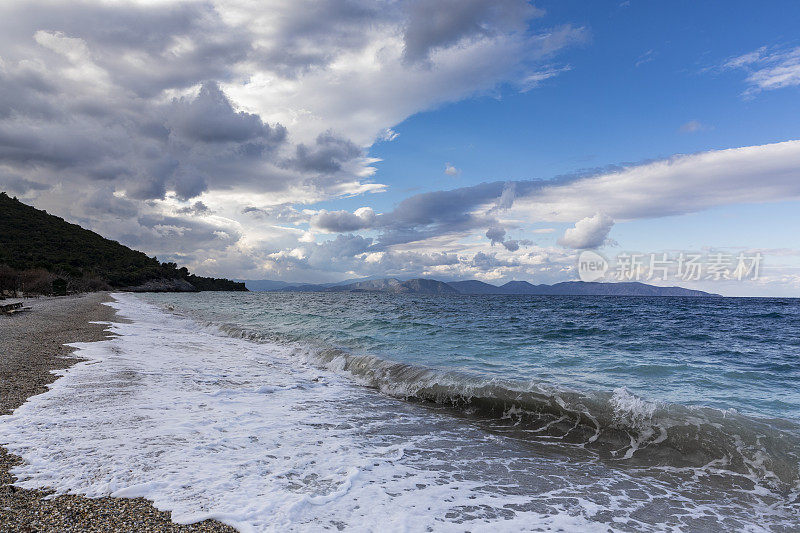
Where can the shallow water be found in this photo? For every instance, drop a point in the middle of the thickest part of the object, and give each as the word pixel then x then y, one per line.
pixel 274 411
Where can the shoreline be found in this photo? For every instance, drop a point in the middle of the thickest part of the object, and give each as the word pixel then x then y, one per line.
pixel 31 347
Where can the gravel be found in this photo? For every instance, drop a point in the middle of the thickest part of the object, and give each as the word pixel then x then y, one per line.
pixel 31 345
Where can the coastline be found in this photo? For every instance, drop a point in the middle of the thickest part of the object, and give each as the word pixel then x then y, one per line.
pixel 31 347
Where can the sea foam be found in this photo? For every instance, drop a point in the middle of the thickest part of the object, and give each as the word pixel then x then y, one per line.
pixel 257 436
pixel 208 426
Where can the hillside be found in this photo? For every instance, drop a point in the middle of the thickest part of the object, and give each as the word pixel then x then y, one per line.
pixel 34 239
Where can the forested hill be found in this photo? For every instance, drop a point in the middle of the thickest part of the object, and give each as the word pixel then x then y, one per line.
pixel 34 239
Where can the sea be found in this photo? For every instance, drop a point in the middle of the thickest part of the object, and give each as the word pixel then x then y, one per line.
pixel 400 412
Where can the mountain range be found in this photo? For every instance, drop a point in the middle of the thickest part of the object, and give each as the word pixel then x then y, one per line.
pixel 432 286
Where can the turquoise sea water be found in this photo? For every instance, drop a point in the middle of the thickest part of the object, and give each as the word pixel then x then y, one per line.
pixel 695 403
pixel 731 353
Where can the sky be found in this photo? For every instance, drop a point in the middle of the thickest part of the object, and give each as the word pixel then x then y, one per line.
pixel 316 141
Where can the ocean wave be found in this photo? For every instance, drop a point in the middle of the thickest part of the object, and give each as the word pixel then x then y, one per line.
pixel 616 425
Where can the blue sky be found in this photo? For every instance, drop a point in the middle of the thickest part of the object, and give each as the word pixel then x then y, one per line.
pixel 308 141
pixel 607 110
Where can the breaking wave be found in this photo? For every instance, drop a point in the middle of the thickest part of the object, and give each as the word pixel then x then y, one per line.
pixel 616 425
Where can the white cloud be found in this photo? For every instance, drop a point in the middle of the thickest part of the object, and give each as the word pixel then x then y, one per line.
pixel 590 232
pixel 678 185
pixel 534 80
pixel 768 69
pixel 143 120
pixel 645 58
pixel 450 170
pixel 343 221
pixel 692 126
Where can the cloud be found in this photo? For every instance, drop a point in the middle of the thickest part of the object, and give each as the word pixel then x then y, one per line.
pixel 392 61
pixel 677 185
pixel 450 170
pixel 327 155
pixel 344 221
pixel 196 209
pixel 449 222
pixel 436 24
pixel 646 57
pixel 590 232
pixel 767 69
pixel 534 80
pixel 210 118
pixel 388 135
pixel 115 114
pixel 205 130
pixel 496 234
pixel 692 126
pixel 17 184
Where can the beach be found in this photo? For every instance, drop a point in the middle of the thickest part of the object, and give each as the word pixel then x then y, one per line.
pixel 31 347
pixel 302 412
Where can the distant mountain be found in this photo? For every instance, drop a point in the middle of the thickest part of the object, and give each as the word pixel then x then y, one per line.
pixel 523 287
pixel 634 288
pixel 427 286
pixel 32 240
pixel 264 284
pixel 376 285
pixel 566 288
pixel 393 285
pixel 473 286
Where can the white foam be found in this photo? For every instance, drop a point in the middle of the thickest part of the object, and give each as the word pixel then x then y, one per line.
pixel 208 426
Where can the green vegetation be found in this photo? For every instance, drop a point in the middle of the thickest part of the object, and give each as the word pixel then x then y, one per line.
pixel 38 245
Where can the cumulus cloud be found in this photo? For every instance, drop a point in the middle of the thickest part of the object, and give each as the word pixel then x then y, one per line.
pixel 204 131
pixel 344 221
pixel 390 60
pixel 210 118
pixel 196 209
pixel 496 234
pixel 113 114
pixel 678 185
pixel 590 232
pixel 326 155
pixel 450 170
